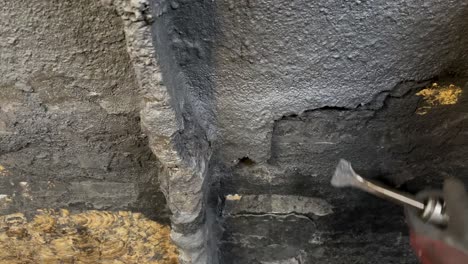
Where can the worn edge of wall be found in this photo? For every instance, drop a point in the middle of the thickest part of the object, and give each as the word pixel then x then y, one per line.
pixel 162 124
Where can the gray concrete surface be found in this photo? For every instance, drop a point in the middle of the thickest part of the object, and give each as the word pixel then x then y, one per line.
pixel 69 112
pixel 244 106
pixel 393 145
pixel 276 58
pixel 282 89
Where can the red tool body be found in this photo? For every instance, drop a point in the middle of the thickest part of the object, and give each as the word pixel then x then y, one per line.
pixel 430 251
pixel 437 219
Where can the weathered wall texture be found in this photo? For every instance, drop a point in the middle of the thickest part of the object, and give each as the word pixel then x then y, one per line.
pixel 247 107
pixel 396 144
pixel 282 89
pixel 276 58
pixel 69 112
pixel 170 117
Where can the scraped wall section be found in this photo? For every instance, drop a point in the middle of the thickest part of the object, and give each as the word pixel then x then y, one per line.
pixel 300 84
pixel 69 112
pixel 396 144
pixel 276 58
pixel 288 87
pixel 250 107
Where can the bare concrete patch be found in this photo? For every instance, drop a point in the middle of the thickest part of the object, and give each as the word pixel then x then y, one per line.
pixel 277 204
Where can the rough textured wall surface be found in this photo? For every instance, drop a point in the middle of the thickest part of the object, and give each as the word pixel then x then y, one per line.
pixel 184 140
pixel 282 89
pixel 69 112
pixel 276 58
pixel 171 118
pixel 395 144
pixel 247 113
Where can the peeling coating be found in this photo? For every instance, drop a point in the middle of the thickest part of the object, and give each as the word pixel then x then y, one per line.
pixel 438 95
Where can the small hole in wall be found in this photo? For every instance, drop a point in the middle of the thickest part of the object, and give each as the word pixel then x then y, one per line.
pixel 246 161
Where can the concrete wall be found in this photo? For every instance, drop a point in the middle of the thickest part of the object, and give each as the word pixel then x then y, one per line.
pixel 69 112
pixel 246 107
pixel 282 89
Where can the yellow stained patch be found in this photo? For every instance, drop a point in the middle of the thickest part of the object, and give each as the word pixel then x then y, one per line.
pixel 89 237
pixel 3 171
pixel 438 95
pixel 233 197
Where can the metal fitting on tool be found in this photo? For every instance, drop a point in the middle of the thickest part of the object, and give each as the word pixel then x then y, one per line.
pixel 432 210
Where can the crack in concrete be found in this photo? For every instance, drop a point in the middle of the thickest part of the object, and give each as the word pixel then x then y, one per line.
pixel 279 215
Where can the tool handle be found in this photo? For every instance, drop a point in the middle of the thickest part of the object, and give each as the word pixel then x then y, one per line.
pixel 432 210
pixel 388 193
pixel 430 251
